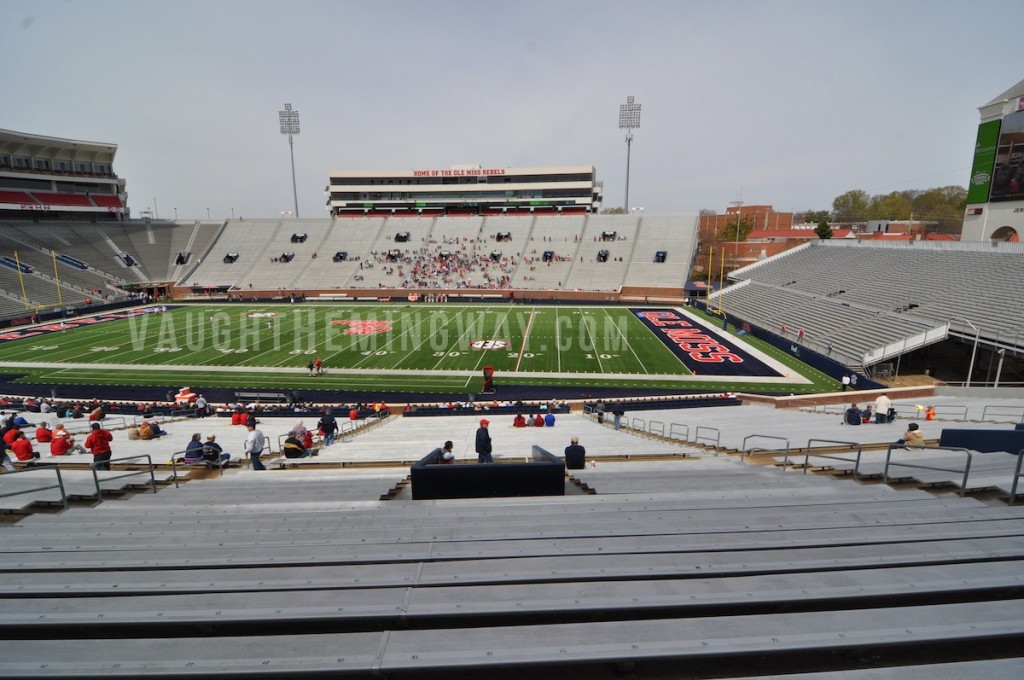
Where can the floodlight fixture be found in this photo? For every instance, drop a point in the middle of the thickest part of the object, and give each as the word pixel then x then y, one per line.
pixel 289 120
pixel 629 120
pixel 629 114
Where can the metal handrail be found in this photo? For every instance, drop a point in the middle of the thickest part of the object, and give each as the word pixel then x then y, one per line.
pixel 1016 477
pixel 149 464
pixel 672 429
pixel 698 437
pixel 745 451
pixel 832 456
pixel 966 471
pixel 660 425
pixel 956 408
pixel 1014 409
pixel 73 425
pixel 33 468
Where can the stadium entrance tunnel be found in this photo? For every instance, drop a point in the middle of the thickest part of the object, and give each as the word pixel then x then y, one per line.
pixel 1006 234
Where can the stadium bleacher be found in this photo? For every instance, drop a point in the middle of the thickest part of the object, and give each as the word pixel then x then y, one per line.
pixel 62 199
pixel 660 233
pixel 20 197
pixel 647 566
pixel 922 282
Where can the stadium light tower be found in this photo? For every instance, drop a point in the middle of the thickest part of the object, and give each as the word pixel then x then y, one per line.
pixel 290 126
pixel 629 120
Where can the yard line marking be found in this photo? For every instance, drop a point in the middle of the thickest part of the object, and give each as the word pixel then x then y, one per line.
pixel 593 343
pixel 497 326
pixel 628 343
pixel 558 345
pixel 432 315
pixel 526 336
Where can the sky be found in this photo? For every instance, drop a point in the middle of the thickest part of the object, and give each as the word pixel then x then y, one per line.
pixel 787 103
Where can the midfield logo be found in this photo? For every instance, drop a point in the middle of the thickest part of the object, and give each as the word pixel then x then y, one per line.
pixel 363 326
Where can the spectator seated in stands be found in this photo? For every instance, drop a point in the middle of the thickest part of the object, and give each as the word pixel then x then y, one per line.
pixel 853 415
pixel 866 414
pixel 912 437
pixel 63 443
pixel 293 447
pixel 519 421
pixel 21 447
pixel 309 444
pixel 890 416
pixel 213 454
pixel 97 415
pixel 538 420
pixel 238 416
pixel 150 430
pixel 194 449
pixel 10 431
pixel 549 419
pixel 442 455
pixel 301 433
pixel 21 422
pixel 575 455
pixel 43 434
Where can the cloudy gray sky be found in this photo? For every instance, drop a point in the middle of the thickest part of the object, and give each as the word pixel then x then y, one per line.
pixel 792 102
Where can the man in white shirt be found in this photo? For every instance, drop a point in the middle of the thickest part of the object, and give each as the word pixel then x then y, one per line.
pixel 254 444
pixel 202 407
pixel 882 406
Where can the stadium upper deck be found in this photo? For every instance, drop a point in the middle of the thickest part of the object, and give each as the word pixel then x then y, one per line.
pixel 465 190
pixel 54 178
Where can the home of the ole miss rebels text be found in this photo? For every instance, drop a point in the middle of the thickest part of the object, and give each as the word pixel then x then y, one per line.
pixel 700 348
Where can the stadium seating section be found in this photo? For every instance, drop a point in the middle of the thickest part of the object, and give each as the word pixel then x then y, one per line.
pixel 859 302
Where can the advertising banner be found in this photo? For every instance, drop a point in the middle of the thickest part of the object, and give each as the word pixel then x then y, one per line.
pixel 984 160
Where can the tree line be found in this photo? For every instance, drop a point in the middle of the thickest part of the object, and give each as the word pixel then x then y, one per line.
pixel 943 206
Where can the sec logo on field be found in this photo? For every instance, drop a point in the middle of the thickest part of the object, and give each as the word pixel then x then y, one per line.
pixel 488 344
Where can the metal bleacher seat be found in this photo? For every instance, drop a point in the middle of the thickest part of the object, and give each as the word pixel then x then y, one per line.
pixel 310 572
pixel 914 281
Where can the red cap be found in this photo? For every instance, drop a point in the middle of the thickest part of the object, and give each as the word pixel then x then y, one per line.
pixel 485 422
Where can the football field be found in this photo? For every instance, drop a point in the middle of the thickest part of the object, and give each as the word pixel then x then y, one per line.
pixel 393 347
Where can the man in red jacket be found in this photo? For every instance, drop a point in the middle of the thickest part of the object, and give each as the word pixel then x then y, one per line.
pixel 98 442
pixel 63 444
pixel 43 433
pixel 21 447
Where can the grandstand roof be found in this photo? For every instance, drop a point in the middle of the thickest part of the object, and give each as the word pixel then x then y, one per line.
pixel 24 142
pixel 1012 93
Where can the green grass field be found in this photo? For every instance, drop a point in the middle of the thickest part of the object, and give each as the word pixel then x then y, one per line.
pixel 393 347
